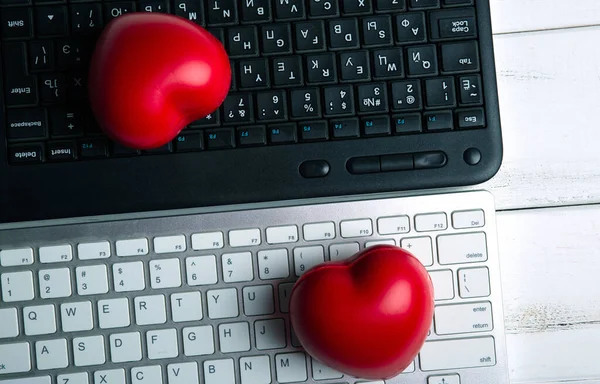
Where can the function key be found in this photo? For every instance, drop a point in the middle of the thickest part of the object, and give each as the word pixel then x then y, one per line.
pixel 356 228
pixel 166 148
pixel 323 8
pixel 393 225
pixel 431 222
pixel 424 4
pixel 95 148
pixel 222 12
pixel 410 28
pixel 386 6
pixel 61 151
pixel 132 247
pixel 314 131
pixel 16 23
pixel 408 123
pixel 244 237
pixel 319 231
pixel 25 154
pixel 93 251
pixel 283 133
pixel 256 11
pixel 16 257
pixel 345 128
pixel 439 121
pixel 190 141
pixel 472 118
pixel 219 138
pixel 56 253
pixel 121 150
pixel 290 10
pixel 208 240
pixel 51 21
pixel 169 244
pixel 468 219
pixel 283 234
pixel 251 136
pixel 26 124
pixel 376 126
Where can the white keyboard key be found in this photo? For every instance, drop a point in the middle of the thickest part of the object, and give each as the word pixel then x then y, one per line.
pixel 170 244
pixel 113 376
pixel 10 323
pixel 222 303
pixel 339 252
pixel 165 273
pixel 129 277
pixel 219 372
pixel 92 280
pixel 162 344
pixel 146 375
pixel 16 257
pixel 183 373
pixel 113 313
pixel 380 242
pixel 201 270
pixel 125 347
pixel 462 248
pixel 420 247
pixel 17 286
pixel 237 267
pixel 73 378
pixel 307 257
pixel 443 284
pixel 15 358
pixel 55 283
pixel 209 240
pixel 431 222
pixel 186 306
pixel 255 370
pixel 410 368
pixel 319 231
pixel 51 354
pixel 474 282
pixel 29 380
pixel 94 251
pixel 39 320
pixel 88 351
pixel 234 337
pixel 457 354
pixel 244 237
pixel 281 235
pixel 270 334
pixel 150 310
pixel 132 247
pixel 77 317
pixel 463 318
pixel 198 341
pixel 356 228
pixel 273 264
pixel 468 219
pixel 393 225
pixel 321 371
pixel 56 254
pixel 291 367
pixel 444 379
pixel 285 290
pixel 258 300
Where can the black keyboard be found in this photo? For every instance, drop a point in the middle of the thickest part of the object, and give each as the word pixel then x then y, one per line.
pixel 328 97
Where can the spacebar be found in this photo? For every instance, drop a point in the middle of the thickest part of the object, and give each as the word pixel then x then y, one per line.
pixel 459 353
pixel 31 380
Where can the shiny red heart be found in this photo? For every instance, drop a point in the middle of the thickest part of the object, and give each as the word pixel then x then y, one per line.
pixel 151 74
pixel 367 316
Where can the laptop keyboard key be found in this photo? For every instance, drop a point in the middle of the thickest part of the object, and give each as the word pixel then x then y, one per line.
pixel 406 95
pixel 93 148
pixel 323 8
pixel 114 10
pixel 27 124
pixel 314 131
pixel 251 136
pixel 422 60
pixel 290 10
pixel 276 39
pixel 16 23
pixel 460 57
pixel 377 31
pixel 343 34
pixel 354 66
pixel 339 101
pixel 410 28
pixel 254 74
pixel 86 18
pixel 287 71
pixel 52 89
pixel 306 103
pixel 239 108
pixel 41 55
pixel 242 42
pixel 256 11
pixel 222 12
pixel 321 68
pixel 388 63
pixel 310 36
pixel 271 106
pixel 51 21
pixel 219 138
pixel 26 153
pixel 61 151
pixel 372 98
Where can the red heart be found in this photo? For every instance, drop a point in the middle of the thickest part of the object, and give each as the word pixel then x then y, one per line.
pixel 152 74
pixel 367 316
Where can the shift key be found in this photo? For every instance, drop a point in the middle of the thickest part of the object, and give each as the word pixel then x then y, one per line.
pixel 457 354
pixel 27 124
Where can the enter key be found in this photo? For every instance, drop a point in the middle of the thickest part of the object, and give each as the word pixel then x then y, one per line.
pixel 463 318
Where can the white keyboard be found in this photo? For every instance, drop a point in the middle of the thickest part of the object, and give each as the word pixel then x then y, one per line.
pixel 203 298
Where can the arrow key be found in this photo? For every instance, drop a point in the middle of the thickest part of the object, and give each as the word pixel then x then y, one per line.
pixel 51 21
pixel 445 379
pixel 410 28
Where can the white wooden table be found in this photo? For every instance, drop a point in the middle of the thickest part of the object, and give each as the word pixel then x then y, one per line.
pixel 548 189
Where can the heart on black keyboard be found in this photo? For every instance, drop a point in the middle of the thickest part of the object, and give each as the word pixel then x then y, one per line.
pixel 152 74
pixel 367 316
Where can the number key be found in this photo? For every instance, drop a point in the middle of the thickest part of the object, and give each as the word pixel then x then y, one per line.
pixel 17 286
pixel 307 257
pixel 271 106
pixel 238 108
pixel 306 103
pixel 237 267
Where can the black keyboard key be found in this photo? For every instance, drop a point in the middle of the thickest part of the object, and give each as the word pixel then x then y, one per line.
pixel 321 68
pixel 470 89
pixel 242 41
pixel 190 9
pixel 388 63
pixel 220 138
pixel 354 66
pixel 314 131
pixel 406 95
pixel 290 10
pixel 256 11
pixel 120 150
pixel 472 118
pixel 253 74
pixel 114 10
pixel 20 88
pixel 440 92
pixel 86 18
pixel 238 108
pixel 94 148
pixel 219 33
pixel 424 4
pixel 439 121
pixel 429 160
pixel 166 148
pixel 41 55
pixel 72 53
pixel 66 122
pixel 457 26
pixel 410 28
pixel 211 120
pixel 26 153
pixel 251 136
pixel 345 128
pixel 287 71
pixel 276 39
pixel 76 86
pixel 61 151
pixel 222 12
pixel 306 103
pixel 16 23
pixel 52 89
pixel 188 142
pixel 160 6
pixel 400 162
pixel 26 124
pixel 390 5
pixel 376 126
pixel 457 2
pixel 271 106
pixel 377 31
pixel 422 60
pixel 407 123
pixel 343 34
pixel 356 7
pixel 51 21
pixel 460 57
pixel 310 36
pixel 283 133
pixel 372 97
pixel 339 101
pixel 323 8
